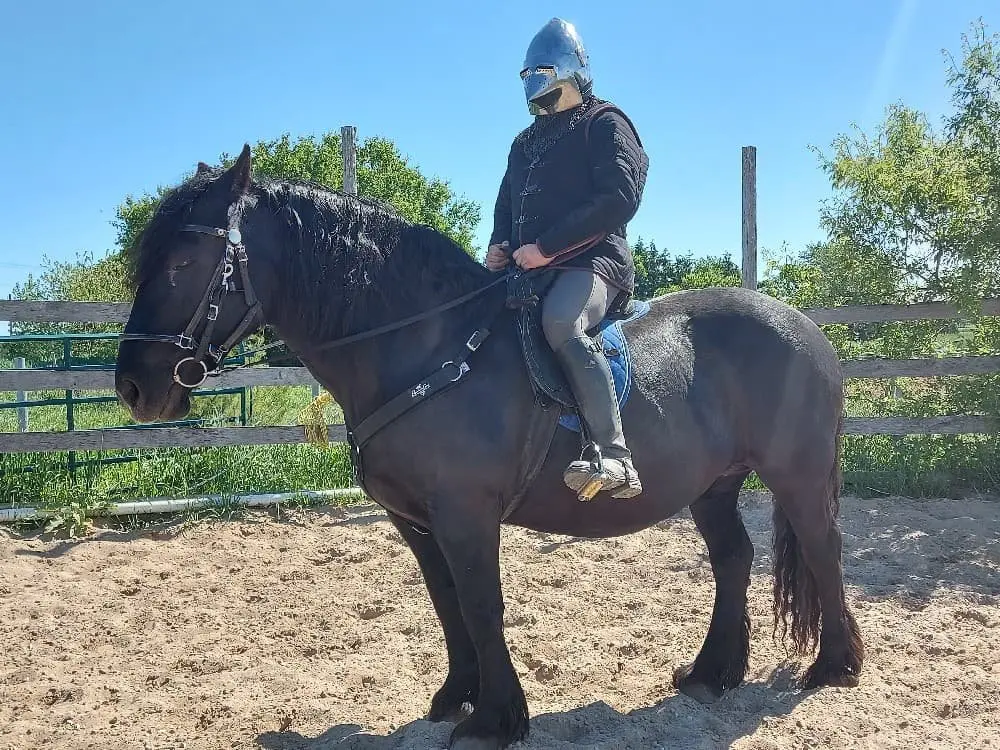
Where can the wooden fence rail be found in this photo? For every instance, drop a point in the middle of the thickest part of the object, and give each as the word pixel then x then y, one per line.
pixel 30 311
pixel 253 377
pixel 104 380
pixel 162 437
pixel 112 439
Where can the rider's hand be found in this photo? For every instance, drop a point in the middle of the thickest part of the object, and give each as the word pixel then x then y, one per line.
pixel 496 258
pixel 529 256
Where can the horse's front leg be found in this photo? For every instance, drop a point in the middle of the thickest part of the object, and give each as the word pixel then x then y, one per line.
pixel 462 683
pixel 468 535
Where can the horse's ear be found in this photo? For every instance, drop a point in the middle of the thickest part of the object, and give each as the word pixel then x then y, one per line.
pixel 203 167
pixel 242 172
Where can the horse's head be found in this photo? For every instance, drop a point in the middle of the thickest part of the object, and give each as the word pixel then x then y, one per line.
pixel 193 297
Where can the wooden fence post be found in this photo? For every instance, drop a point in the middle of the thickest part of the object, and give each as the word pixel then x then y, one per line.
pixel 350 154
pixel 749 269
pixel 22 411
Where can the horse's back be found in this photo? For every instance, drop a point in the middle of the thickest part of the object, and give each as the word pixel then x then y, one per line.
pixel 722 380
pixel 743 328
pixel 743 372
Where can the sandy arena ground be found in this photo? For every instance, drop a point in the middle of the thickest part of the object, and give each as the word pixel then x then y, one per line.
pixel 315 632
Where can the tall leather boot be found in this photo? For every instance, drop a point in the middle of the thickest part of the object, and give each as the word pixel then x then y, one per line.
pixel 610 467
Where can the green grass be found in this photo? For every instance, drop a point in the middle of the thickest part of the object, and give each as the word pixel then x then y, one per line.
pixel 38 479
pixel 45 480
pixel 921 465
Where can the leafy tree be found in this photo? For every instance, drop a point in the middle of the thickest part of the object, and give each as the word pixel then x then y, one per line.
pixel 794 280
pixel 974 129
pixel 708 272
pixel 81 279
pixel 916 213
pixel 656 273
pixel 383 174
pixel 915 216
pixel 654 269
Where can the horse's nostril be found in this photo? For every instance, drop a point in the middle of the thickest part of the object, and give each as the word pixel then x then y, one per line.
pixel 128 391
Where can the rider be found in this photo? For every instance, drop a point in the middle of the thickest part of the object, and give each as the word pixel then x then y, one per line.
pixel 574 179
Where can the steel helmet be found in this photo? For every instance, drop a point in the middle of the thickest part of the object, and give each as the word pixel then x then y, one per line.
pixel 556 70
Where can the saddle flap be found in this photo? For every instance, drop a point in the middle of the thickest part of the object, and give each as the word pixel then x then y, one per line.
pixel 525 291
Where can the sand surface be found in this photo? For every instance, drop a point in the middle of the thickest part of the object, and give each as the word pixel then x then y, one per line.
pixel 314 632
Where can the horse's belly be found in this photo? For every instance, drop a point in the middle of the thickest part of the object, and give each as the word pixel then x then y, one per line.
pixel 671 481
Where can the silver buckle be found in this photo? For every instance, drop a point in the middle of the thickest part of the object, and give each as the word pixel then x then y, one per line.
pixel 474 341
pixel 213 312
pixel 185 342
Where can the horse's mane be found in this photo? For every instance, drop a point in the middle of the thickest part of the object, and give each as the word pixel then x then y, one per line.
pixel 386 266
pixel 143 255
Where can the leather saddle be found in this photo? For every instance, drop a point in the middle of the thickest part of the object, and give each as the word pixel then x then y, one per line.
pixel 525 289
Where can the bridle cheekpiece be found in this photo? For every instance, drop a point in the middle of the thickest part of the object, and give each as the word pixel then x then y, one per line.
pixel 207 312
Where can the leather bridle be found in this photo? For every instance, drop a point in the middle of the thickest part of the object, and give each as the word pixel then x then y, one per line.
pixel 206 315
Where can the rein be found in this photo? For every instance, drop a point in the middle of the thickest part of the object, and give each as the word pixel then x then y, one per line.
pixel 207 313
pixel 410 320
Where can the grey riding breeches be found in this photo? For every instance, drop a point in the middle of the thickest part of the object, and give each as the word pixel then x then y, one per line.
pixel 576 302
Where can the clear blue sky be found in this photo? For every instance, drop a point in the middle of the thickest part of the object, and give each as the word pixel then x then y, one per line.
pixel 105 99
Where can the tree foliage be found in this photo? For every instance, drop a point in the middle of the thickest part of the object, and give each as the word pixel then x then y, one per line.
pixel 914 216
pixel 657 273
pixel 915 211
pixel 383 174
pixel 80 279
pixel 708 272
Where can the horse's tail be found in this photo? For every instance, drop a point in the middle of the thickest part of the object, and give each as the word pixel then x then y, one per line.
pixel 796 595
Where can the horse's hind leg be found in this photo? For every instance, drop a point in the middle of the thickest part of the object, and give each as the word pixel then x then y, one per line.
pixel 722 662
pixel 809 581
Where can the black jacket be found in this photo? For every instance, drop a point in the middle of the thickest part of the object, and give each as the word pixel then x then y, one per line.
pixel 575 199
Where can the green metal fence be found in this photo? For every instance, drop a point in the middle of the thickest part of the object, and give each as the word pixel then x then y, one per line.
pixel 64 358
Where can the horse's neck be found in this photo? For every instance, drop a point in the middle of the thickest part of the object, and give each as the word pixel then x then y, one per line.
pixel 364 375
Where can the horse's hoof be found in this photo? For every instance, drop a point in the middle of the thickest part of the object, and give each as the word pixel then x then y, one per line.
pixel 700 691
pixel 475 743
pixel 452 715
pixel 818 678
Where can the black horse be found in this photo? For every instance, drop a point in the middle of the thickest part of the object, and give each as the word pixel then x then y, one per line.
pixel 387 314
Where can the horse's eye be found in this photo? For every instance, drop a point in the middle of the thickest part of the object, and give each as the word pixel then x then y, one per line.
pixel 179 266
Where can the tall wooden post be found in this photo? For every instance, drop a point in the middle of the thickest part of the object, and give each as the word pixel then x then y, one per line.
pixel 350 154
pixel 749 269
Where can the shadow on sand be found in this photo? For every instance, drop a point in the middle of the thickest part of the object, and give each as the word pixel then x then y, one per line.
pixel 676 721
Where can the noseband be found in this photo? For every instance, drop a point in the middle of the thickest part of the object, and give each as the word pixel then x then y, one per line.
pixel 207 313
